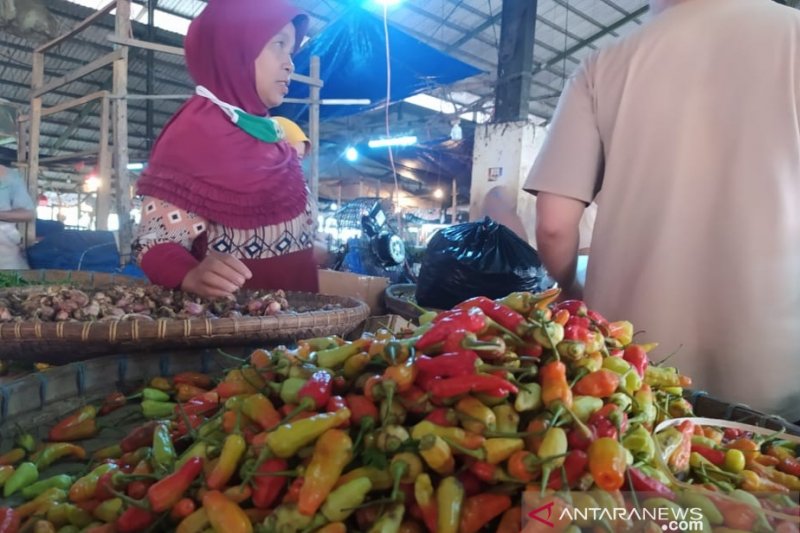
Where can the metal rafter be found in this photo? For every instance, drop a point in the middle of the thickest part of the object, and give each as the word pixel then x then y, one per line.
pixel 605 31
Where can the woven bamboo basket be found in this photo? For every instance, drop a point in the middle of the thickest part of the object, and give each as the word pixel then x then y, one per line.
pixel 77 278
pixel 37 400
pixel 64 342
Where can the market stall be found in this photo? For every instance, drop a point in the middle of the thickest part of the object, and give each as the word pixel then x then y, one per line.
pixel 473 419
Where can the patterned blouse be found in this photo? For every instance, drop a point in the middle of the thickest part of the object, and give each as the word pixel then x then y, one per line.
pixel 163 222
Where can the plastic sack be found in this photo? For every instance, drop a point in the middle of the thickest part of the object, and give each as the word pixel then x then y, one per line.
pixel 477 259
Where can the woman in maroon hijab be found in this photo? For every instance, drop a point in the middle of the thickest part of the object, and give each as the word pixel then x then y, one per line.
pixel 225 204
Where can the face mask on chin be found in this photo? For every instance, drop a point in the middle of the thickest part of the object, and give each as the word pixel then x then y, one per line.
pixel 262 128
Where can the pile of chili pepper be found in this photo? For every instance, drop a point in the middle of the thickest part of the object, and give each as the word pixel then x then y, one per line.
pixel 439 428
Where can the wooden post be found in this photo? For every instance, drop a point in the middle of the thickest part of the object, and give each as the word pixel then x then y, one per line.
pixel 122 30
pixel 37 80
pixel 313 120
pixel 339 196
pixel 104 169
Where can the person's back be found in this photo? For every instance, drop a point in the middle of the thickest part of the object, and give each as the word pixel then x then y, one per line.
pixel 697 238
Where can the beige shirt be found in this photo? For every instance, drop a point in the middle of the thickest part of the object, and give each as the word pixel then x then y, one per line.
pixel 691 128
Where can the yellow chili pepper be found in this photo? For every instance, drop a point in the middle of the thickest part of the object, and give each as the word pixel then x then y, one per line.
pixel 475 416
pixel 500 449
pixel 195 522
pixel 449 499
pixel 437 454
pixel 232 451
pixel 287 439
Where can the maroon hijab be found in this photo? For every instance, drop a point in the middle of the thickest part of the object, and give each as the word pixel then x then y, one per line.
pixel 204 163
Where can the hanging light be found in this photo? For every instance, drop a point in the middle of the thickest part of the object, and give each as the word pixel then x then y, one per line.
pixel 438 194
pixel 351 154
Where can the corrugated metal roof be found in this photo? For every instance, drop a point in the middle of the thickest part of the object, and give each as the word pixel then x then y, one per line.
pixel 566 31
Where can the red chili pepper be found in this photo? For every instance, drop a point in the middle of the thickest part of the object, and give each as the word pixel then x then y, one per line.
pixel 473 320
pixel 484 471
pixel 361 408
pixel 112 402
pixel 575 464
pixel 105 487
pixel 199 405
pixel 575 307
pixel 573 332
pixel 10 520
pixel 716 457
pixel 472 485
pixel 334 404
pixel 293 494
pixel 267 489
pixel 316 391
pixel 448 365
pixel 193 378
pixel 67 426
pixel 181 429
pixel 637 357
pixel 479 384
pixel 169 490
pixel 790 466
pixel 577 439
pixel 134 519
pixel 640 482
pixel 415 400
pixel 732 434
pixel 442 416
pixel 597 318
pixel 607 418
pixel 503 315
pixel 139 437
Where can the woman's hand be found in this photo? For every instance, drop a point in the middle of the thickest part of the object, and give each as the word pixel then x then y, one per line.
pixel 217 276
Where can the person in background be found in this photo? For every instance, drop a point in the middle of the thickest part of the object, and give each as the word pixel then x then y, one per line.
pixel 295 136
pixel 225 204
pixel 692 137
pixel 16 206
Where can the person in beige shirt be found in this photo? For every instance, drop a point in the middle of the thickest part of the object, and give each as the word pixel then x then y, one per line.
pixel 690 127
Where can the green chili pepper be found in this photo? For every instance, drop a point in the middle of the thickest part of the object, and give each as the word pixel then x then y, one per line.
pixel 694 500
pixel 704 441
pixel 640 443
pixel 334 357
pixel 290 388
pixel 390 520
pixel 163 449
pixel 155 395
pixel 529 397
pixel 109 510
pixel 26 441
pixel 340 503
pixel 622 400
pixel 287 517
pixel 585 406
pixel 507 418
pixel 198 449
pixel 62 481
pixel 25 474
pixel 155 409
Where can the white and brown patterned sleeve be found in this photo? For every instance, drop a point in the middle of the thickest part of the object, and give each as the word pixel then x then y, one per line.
pixel 163 222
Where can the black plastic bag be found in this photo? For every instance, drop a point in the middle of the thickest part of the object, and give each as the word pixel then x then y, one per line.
pixel 477 259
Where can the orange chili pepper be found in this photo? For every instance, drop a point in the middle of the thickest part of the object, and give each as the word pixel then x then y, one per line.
pixel 185 392
pixel 225 515
pixel 511 521
pixel 555 388
pixel 607 463
pixel 481 509
pixel 332 452
pixel 261 410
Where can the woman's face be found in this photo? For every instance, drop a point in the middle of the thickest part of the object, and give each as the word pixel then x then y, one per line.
pixel 274 66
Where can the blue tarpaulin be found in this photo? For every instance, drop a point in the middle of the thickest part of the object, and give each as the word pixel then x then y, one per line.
pixel 352 53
